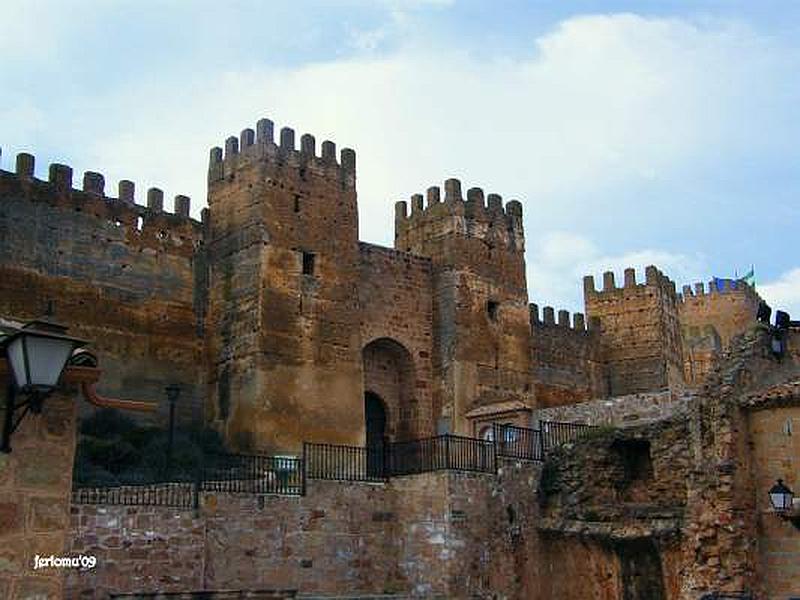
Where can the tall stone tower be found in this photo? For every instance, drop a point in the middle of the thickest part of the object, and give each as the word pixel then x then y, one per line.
pixel 283 319
pixel 639 331
pixel 481 346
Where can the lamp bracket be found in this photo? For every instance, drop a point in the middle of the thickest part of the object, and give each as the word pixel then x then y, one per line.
pixel 13 418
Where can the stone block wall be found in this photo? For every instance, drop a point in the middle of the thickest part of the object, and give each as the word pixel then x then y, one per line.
pixel 481 327
pixel 118 274
pixel 35 480
pixel 566 362
pixel 284 349
pixel 639 331
pixel 775 436
pixel 437 535
pixel 395 298
pixel 730 310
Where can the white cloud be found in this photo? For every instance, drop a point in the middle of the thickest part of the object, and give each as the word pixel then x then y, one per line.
pixel 557 262
pixel 599 106
pixel 784 293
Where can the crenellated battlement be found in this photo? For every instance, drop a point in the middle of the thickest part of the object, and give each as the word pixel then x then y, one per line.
pixel 548 319
pixel 653 277
pixel 149 224
pixel 697 292
pixel 259 147
pixel 488 209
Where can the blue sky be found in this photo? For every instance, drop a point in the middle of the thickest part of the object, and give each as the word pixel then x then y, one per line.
pixel 633 132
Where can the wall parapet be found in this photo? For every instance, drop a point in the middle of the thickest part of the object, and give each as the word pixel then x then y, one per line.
pixel 548 319
pixel 698 292
pixel 477 207
pixel 653 278
pixel 259 145
pixel 146 223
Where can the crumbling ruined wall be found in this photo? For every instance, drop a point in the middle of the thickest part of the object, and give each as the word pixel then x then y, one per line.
pixel 481 331
pixel 639 331
pixel 395 299
pixel 284 348
pixel 120 275
pixel 612 506
pixel 566 363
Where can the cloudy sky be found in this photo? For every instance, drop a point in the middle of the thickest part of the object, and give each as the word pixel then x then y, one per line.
pixel 632 132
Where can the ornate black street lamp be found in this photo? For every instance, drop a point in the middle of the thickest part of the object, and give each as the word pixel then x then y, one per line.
pixel 37 354
pixel 782 500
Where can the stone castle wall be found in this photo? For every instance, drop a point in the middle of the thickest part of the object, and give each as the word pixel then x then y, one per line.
pixel 426 535
pixel 481 327
pixel 730 310
pixel 119 274
pixel 639 331
pixel 566 361
pixel 395 296
pixel 284 347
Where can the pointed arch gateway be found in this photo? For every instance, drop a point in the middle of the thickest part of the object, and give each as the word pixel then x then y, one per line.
pixel 390 407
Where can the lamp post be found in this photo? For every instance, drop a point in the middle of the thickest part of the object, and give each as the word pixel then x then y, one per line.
pixel 173 392
pixel 37 354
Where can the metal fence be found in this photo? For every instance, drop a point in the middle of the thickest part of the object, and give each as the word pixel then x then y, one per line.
pixel 442 452
pixel 379 462
pixel 178 495
pixel 555 433
pixel 520 443
pixel 523 443
pixel 231 473
pixel 286 475
pixel 242 473
pixel 345 463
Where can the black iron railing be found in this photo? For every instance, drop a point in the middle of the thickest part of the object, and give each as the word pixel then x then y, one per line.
pixel 443 452
pixel 555 433
pixel 379 462
pixel 523 443
pixel 241 473
pixel 286 475
pixel 345 463
pixel 232 473
pixel 178 495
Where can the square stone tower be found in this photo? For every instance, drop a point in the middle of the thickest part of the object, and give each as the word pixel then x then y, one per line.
pixel 640 335
pixel 283 323
pixel 481 353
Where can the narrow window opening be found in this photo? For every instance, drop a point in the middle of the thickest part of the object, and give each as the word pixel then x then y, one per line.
pixel 492 306
pixel 637 463
pixel 308 263
pixel 297 203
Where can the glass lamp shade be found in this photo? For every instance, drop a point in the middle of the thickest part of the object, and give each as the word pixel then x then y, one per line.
pixel 37 358
pixel 781 497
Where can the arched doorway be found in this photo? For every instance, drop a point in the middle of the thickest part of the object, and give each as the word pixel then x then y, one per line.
pixel 375 414
pixel 389 375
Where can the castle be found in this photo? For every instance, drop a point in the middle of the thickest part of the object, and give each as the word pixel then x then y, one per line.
pixel 282 326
